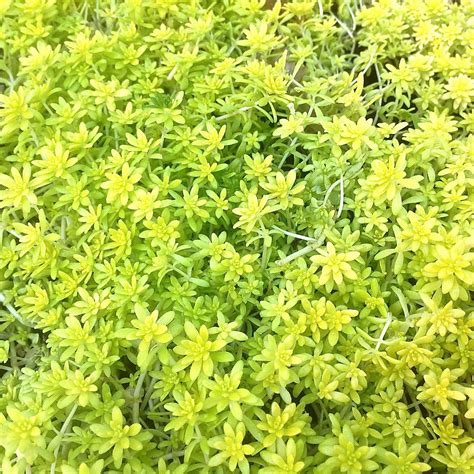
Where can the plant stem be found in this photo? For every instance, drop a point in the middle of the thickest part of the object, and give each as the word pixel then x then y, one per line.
pixel 64 428
pixel 136 399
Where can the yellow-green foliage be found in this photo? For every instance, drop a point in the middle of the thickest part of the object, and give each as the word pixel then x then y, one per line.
pixel 236 235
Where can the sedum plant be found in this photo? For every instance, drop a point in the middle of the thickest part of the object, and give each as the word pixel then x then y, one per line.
pixel 236 236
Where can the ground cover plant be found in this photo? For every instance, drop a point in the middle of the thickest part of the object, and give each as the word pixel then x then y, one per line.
pixel 236 236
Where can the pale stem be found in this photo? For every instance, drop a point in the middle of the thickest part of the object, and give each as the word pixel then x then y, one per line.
pixel 136 395
pixel 64 428
pixel 402 301
pixel 330 190
pixel 231 114
pixel 172 72
pixel 285 156
pixel 299 253
pixel 341 197
pixel 64 223
pixel 12 232
pixel 343 26
pixel 321 10
pixel 175 454
pixel 351 13
pixel 12 310
pixel 293 234
pixel 384 330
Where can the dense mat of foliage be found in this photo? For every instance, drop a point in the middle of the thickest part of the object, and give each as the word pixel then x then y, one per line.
pixel 236 236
